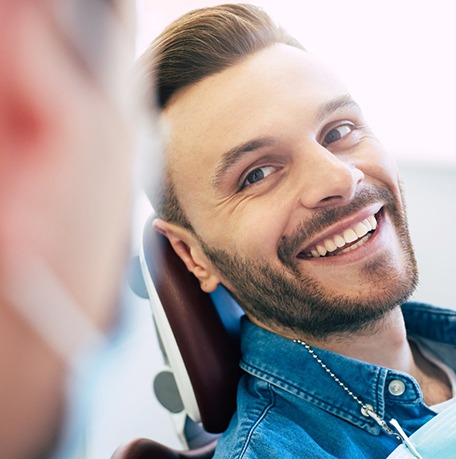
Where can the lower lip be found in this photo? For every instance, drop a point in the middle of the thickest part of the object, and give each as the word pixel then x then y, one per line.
pixel 375 243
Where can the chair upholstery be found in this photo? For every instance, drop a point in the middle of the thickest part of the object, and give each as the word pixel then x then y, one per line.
pixel 148 449
pixel 208 352
pixel 199 341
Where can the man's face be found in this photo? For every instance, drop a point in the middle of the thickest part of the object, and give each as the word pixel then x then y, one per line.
pixel 292 198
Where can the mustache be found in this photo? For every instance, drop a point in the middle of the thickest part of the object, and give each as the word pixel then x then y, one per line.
pixel 322 218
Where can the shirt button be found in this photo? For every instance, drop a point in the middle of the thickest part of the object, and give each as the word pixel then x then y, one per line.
pixel 396 387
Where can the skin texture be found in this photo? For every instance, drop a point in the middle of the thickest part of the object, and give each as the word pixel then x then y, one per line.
pixel 309 167
pixel 269 158
pixel 65 195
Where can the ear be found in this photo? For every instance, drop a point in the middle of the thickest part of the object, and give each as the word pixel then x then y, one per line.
pixel 188 248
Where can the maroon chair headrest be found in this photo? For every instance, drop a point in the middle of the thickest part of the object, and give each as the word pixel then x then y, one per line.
pixel 143 448
pixel 210 354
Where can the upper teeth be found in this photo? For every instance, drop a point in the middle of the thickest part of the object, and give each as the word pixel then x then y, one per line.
pixel 349 235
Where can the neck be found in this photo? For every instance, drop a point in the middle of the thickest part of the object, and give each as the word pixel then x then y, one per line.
pixel 385 344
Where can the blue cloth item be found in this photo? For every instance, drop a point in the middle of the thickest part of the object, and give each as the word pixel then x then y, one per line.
pixel 435 440
pixel 289 407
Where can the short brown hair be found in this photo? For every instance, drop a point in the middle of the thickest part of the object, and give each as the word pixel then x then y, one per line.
pixel 201 43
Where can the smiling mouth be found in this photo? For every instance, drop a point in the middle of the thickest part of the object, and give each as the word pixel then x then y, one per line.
pixel 345 241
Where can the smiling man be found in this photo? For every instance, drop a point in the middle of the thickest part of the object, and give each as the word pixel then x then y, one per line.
pixel 275 187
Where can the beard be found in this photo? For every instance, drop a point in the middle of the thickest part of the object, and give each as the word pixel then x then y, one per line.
pixel 285 298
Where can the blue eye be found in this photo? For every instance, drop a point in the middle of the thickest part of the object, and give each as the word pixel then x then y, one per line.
pixel 337 133
pixel 256 175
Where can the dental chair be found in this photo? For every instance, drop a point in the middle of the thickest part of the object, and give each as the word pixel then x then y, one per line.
pixel 199 337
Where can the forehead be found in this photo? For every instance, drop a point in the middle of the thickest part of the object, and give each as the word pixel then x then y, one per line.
pixel 260 96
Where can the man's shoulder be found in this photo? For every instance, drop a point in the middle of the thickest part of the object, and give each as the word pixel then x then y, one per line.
pixel 271 423
pixel 262 438
pixel 430 322
pixel 417 311
pixel 422 307
pixel 259 428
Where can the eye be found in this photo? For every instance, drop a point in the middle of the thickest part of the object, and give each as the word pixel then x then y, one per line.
pixel 337 133
pixel 256 175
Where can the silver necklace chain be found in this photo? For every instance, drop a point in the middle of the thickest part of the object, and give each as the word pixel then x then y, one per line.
pixel 367 410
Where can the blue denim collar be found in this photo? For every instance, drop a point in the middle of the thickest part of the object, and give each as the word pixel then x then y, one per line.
pixel 430 322
pixel 290 367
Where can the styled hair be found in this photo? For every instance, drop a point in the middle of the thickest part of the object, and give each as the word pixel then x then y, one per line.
pixel 199 44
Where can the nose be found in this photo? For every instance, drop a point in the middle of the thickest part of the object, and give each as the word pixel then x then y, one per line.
pixel 330 180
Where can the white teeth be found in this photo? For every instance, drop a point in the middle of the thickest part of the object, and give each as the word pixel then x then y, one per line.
pixel 350 235
pixel 360 230
pixel 358 244
pixel 330 245
pixel 373 221
pixel 367 224
pixel 339 240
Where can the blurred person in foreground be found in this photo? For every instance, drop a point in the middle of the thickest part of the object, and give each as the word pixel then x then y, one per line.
pixel 275 187
pixel 66 151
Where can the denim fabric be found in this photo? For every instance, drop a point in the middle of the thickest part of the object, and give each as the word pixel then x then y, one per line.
pixel 289 407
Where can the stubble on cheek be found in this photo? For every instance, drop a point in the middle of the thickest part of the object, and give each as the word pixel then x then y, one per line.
pixel 284 296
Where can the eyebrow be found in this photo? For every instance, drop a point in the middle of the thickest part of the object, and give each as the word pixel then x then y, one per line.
pixel 233 156
pixel 333 105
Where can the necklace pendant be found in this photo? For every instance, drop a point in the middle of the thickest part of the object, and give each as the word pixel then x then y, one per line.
pixel 396 430
pixel 366 409
pixel 405 439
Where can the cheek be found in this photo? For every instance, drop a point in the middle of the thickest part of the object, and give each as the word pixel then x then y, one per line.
pixel 257 232
pixel 380 166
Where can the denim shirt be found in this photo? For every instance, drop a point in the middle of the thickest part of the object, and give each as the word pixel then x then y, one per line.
pixel 290 407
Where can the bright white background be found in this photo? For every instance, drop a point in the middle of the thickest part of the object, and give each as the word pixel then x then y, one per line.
pixel 397 57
